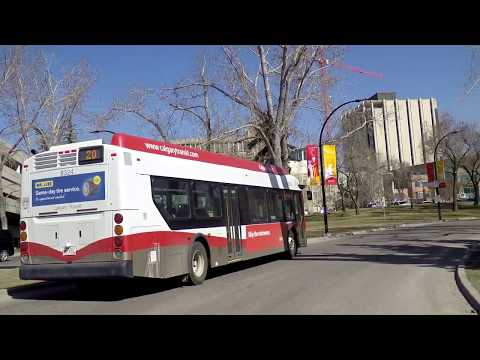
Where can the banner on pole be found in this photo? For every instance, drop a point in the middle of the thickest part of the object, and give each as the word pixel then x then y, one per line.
pixel 312 164
pixel 330 164
pixel 440 168
pixel 430 173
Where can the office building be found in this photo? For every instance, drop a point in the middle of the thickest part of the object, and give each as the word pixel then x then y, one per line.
pixel 398 130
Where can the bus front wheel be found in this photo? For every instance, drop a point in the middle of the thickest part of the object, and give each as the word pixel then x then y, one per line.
pixel 198 264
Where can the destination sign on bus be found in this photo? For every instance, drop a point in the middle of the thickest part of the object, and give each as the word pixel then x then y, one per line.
pixel 68 189
pixel 90 155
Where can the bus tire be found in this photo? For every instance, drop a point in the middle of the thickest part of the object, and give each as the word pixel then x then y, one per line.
pixel 197 264
pixel 291 250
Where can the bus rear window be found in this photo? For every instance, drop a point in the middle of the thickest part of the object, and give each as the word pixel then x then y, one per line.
pixel 90 155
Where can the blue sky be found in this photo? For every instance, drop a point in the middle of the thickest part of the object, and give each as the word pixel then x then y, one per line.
pixel 410 71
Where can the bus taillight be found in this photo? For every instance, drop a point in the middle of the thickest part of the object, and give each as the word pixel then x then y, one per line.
pixel 118 241
pixel 23 236
pixel 118 246
pixel 118 229
pixel 23 225
pixel 118 218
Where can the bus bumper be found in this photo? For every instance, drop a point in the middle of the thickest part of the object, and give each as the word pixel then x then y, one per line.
pixel 117 269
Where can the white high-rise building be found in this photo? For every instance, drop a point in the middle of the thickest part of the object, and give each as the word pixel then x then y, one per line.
pixel 397 129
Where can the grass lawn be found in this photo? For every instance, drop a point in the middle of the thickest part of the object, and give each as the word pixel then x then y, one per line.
pixel 374 218
pixel 473 269
pixel 9 278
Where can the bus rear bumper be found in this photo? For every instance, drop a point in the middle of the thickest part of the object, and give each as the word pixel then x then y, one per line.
pixel 117 269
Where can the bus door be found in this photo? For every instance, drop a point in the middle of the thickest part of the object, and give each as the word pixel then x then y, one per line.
pixel 231 204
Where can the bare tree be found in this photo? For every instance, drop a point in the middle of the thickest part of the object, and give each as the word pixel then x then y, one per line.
pixel 17 116
pixel 64 97
pixel 145 105
pixel 36 108
pixel 473 78
pixel 362 176
pixel 471 163
pixel 402 178
pixel 285 79
pixel 455 149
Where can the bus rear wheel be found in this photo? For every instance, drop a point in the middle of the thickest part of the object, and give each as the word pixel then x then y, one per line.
pixel 198 264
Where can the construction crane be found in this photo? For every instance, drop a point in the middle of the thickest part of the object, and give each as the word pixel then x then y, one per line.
pixel 325 63
pixel 327 80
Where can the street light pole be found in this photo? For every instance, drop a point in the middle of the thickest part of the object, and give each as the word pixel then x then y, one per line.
pixel 324 202
pixel 437 187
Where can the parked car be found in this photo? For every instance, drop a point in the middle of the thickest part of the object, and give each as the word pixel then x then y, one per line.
pixel 329 210
pixel 6 245
pixel 402 203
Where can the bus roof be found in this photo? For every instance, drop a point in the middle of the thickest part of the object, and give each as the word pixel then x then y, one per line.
pixel 189 153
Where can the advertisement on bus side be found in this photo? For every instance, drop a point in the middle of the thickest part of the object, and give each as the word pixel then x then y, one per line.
pixel 68 189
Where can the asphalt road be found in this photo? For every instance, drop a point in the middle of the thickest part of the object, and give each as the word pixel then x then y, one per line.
pixel 408 271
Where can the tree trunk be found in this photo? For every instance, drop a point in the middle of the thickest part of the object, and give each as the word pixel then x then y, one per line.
pixel 476 194
pixel 277 148
pixel 355 203
pixel 209 136
pixel 410 190
pixel 454 192
pixel 3 200
pixel 342 199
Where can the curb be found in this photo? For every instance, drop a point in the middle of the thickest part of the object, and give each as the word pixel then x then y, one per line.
pixel 466 288
pixel 388 228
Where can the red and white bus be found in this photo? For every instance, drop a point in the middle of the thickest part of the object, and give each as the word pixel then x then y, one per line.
pixel 142 208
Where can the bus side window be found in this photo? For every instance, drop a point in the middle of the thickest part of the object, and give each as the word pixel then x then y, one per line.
pixel 206 200
pixel 276 209
pixel 258 205
pixel 244 214
pixel 288 206
pixel 171 197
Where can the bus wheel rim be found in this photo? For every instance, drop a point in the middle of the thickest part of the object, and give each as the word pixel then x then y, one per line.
pixel 3 256
pixel 198 263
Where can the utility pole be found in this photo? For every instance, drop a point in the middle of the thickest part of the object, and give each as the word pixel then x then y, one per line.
pixel 324 201
pixel 437 187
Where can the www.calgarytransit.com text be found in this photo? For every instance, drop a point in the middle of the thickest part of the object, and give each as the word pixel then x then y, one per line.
pixel 170 150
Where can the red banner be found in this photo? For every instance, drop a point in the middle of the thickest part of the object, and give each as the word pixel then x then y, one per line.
pixel 430 172
pixel 312 164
